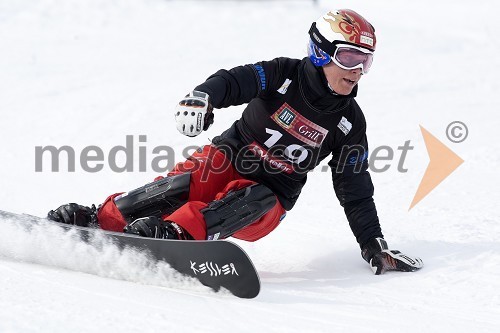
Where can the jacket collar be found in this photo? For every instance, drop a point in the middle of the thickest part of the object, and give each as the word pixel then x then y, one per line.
pixel 316 90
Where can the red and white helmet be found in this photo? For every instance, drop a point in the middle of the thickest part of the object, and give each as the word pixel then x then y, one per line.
pixel 342 26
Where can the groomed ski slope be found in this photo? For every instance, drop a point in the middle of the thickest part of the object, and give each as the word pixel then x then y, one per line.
pixel 83 73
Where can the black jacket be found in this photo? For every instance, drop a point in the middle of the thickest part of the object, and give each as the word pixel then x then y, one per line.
pixel 291 123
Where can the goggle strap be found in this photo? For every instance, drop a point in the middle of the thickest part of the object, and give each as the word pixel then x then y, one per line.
pixel 320 40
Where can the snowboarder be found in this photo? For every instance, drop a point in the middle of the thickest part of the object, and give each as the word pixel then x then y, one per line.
pixel 299 112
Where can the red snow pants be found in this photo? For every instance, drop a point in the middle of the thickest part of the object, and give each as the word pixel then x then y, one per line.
pixel 212 177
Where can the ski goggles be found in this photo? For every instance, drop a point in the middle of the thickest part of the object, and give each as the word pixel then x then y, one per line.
pixel 346 56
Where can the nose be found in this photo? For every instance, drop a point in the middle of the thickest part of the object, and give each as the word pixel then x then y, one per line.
pixel 357 71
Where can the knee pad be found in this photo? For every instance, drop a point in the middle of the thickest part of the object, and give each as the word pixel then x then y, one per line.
pixel 237 210
pixel 154 199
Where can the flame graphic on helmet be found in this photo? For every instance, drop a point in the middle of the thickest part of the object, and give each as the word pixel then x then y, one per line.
pixel 344 24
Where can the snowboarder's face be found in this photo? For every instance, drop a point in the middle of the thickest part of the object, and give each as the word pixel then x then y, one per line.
pixel 342 81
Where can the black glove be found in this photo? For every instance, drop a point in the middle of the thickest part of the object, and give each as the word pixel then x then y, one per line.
pixel 381 259
pixel 155 227
pixel 75 214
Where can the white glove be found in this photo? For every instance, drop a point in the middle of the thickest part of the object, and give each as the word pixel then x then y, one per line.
pixel 394 260
pixel 381 259
pixel 194 113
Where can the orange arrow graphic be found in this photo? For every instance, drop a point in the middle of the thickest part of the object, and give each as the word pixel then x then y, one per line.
pixel 443 161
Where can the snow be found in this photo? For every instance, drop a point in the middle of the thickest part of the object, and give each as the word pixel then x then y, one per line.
pixel 83 73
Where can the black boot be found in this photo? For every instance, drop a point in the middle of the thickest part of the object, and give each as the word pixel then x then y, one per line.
pixel 75 214
pixel 155 227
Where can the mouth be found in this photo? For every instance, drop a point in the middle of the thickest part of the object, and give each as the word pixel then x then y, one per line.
pixel 350 82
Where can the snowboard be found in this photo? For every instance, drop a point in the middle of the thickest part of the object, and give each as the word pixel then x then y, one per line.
pixel 216 264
